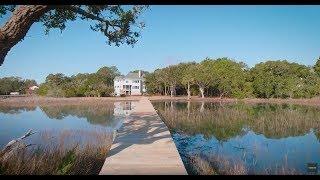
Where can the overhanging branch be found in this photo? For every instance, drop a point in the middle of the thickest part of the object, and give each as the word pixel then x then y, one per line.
pixel 86 14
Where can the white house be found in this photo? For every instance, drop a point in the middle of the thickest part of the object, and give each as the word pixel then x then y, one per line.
pixel 131 84
pixel 32 88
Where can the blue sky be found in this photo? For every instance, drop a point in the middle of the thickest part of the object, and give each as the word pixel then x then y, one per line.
pixel 173 34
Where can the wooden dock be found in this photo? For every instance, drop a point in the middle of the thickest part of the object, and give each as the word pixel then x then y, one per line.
pixel 143 146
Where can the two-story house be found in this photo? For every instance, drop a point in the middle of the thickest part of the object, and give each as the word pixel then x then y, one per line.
pixel 131 84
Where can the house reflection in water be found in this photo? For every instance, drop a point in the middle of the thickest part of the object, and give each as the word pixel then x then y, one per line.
pixel 124 108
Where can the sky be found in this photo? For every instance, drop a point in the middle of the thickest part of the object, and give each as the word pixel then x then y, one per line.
pixel 173 34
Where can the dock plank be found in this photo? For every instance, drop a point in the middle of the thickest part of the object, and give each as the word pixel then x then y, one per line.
pixel 143 145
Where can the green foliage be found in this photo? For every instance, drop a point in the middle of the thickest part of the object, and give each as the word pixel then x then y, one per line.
pixel 119 24
pixel 43 90
pixel 187 71
pixel 91 85
pixel 317 67
pixel 152 83
pixel 5 8
pixel 67 162
pixel 227 78
pixel 15 84
pixel 221 77
pixel 281 79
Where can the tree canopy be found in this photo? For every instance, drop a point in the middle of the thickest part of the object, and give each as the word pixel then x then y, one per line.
pixel 229 78
pixel 317 66
pixel 119 24
pixel 88 84
pixel 281 79
pixel 15 84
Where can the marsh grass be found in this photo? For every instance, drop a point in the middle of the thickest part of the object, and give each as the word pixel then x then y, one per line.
pixel 215 165
pixel 50 101
pixel 61 154
pixel 226 121
pixel 219 165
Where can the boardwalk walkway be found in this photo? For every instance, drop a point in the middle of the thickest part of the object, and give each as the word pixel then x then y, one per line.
pixel 143 145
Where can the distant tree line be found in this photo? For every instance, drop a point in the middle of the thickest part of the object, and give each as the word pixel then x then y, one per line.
pixel 15 84
pixel 96 84
pixel 220 77
pixel 224 77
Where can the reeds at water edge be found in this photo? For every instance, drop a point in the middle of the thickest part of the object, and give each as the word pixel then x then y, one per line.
pixel 61 154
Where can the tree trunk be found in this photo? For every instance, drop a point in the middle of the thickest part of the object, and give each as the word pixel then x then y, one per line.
pixel 202 106
pixel 188 107
pixel 189 93
pixel 16 28
pixel 165 90
pixel 202 91
pixel 172 90
pixel 14 146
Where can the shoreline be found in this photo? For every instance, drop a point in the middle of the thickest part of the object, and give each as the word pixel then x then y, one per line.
pixel 35 100
pixel 306 101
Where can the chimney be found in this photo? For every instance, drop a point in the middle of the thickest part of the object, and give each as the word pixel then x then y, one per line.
pixel 139 73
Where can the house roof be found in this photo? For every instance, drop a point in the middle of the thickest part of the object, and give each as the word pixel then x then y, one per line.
pixel 119 77
pixel 130 75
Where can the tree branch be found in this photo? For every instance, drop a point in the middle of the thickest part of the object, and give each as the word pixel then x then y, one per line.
pixel 16 28
pixel 86 14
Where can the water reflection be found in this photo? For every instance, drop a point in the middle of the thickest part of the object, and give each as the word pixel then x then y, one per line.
pixel 228 120
pixel 15 121
pixel 265 138
pixel 101 114
pixel 15 110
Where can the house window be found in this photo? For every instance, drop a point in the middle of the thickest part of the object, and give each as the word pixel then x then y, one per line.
pixel 135 87
pixel 136 81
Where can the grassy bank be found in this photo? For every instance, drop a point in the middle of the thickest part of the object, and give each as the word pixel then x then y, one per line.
pixel 35 100
pixel 304 101
pixel 64 153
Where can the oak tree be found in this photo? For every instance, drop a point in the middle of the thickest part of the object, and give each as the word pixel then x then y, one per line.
pixel 119 24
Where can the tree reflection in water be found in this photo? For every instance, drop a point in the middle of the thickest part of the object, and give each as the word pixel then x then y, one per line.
pixel 104 114
pixel 229 120
pixel 238 138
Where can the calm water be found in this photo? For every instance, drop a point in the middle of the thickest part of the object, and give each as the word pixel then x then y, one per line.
pixel 263 138
pixel 14 122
